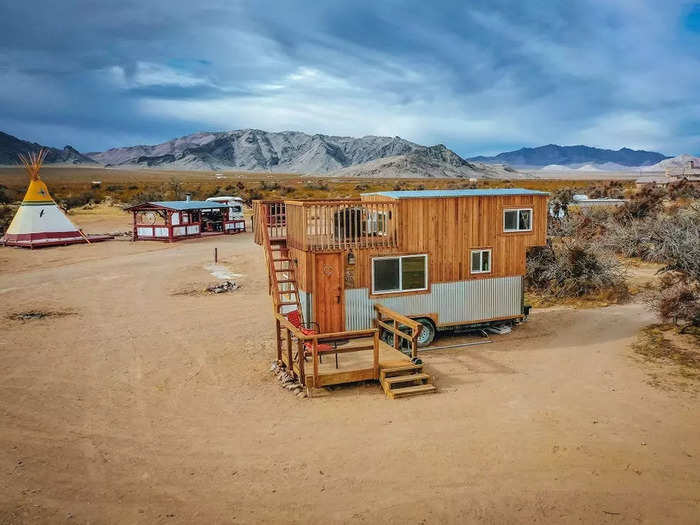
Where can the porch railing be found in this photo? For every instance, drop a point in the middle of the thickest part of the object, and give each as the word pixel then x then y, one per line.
pixel 338 225
pixel 295 356
pixel 270 215
pixel 400 326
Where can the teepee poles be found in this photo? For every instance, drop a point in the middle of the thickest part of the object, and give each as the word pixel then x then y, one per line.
pixel 32 162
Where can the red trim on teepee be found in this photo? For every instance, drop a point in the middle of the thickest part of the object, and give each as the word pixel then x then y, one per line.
pixel 24 237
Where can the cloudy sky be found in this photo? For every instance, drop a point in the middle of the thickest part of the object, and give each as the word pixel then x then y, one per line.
pixel 479 76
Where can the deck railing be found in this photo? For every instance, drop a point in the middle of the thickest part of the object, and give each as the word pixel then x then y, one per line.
pixel 270 214
pixel 341 224
pixel 395 323
pixel 303 342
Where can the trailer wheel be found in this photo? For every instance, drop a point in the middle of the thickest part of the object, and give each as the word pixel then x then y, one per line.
pixel 427 334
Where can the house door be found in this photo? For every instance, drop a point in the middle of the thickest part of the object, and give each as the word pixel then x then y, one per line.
pixel 328 292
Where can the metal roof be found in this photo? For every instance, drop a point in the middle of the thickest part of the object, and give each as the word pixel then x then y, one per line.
pixel 183 205
pixel 436 194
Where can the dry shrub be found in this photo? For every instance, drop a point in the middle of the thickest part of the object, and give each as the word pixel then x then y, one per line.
pixel 683 189
pixel 80 199
pixel 147 196
pixel 612 189
pixel 6 215
pixel 647 202
pixel 574 270
pixel 677 299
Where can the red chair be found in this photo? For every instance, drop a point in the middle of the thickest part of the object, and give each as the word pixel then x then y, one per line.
pixel 307 329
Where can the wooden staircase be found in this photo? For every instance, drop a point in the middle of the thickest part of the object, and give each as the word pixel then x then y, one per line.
pixel 405 381
pixel 282 278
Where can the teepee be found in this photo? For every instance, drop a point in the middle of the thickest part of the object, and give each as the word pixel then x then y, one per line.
pixel 39 221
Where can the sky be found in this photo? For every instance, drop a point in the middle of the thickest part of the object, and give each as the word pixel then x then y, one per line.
pixel 481 76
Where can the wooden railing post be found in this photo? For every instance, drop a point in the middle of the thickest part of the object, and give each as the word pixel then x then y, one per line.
pixel 375 361
pixel 278 340
pixel 300 353
pixel 289 353
pixel 396 337
pixel 314 354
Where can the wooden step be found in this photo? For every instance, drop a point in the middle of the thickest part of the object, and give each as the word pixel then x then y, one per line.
pixel 281 259
pixel 280 270
pixel 287 303
pixel 411 391
pixel 405 378
pixel 284 281
pixel 399 370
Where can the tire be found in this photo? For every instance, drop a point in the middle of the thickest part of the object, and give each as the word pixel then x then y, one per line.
pixel 427 334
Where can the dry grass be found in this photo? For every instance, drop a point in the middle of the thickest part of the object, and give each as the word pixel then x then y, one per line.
pixel 665 343
pixel 125 185
pixel 597 299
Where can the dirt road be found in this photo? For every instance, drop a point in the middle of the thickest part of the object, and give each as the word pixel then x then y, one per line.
pixel 151 404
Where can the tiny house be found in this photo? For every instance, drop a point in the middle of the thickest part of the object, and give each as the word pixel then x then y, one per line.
pixel 446 258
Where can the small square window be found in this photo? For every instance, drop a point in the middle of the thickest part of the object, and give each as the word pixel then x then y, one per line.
pixel 517 220
pixel 481 261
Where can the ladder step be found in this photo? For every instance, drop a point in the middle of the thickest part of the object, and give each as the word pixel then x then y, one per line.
pixel 287 303
pixel 281 259
pixel 286 281
pixel 405 379
pixel 279 270
pixel 411 391
pixel 399 370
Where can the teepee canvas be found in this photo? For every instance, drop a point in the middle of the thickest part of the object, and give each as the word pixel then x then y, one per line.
pixel 39 221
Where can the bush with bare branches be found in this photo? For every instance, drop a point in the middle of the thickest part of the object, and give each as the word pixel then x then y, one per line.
pixel 573 269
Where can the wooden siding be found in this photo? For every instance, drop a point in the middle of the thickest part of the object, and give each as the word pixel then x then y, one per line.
pixel 447 229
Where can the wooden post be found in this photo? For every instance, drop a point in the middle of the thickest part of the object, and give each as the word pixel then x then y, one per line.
pixel 396 337
pixel 134 234
pixel 169 223
pixel 300 353
pixel 289 352
pixel 376 355
pixel 278 340
pixel 314 354
pixel 216 255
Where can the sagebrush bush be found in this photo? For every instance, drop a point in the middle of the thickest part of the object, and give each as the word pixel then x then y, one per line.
pixel 573 270
pixel 80 199
pixel 6 215
pixel 676 299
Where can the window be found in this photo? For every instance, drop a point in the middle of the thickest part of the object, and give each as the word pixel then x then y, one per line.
pixel 407 273
pixel 481 261
pixel 517 220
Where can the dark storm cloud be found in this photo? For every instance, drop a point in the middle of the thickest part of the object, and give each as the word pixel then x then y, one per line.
pixel 479 76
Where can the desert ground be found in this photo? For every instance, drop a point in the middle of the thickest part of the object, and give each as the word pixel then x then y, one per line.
pixel 144 400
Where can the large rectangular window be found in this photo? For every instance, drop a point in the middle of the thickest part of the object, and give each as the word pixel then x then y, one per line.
pixel 406 273
pixel 517 220
pixel 481 261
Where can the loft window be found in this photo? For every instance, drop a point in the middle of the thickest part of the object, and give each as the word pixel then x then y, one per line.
pixel 406 273
pixel 519 220
pixel 481 261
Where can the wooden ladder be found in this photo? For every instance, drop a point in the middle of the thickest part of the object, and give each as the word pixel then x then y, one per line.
pixel 405 381
pixel 282 279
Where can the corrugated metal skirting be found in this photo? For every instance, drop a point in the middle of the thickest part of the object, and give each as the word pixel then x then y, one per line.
pixel 457 302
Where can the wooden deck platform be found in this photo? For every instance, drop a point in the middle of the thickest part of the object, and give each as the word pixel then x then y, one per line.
pixel 353 365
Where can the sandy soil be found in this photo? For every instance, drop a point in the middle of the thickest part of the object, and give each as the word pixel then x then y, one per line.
pixel 146 405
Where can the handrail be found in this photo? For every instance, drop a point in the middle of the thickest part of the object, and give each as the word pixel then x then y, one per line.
pixel 281 321
pixel 383 313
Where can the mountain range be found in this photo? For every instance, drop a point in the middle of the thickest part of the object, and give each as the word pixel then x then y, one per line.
pixel 573 156
pixel 296 152
pixel 11 147
pixel 370 156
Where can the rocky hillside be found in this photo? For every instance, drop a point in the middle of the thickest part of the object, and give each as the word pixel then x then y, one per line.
pixel 677 165
pixel 288 151
pixel 437 161
pixel 11 147
pixel 573 156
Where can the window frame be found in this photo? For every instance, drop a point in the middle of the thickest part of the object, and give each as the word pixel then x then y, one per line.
pixel 518 210
pixel 481 260
pixel 400 258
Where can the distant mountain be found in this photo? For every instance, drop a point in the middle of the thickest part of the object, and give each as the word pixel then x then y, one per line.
pixel 436 161
pixel 11 147
pixel 677 165
pixel 290 152
pixel 572 155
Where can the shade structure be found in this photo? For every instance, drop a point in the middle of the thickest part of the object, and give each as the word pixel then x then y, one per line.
pixel 40 222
